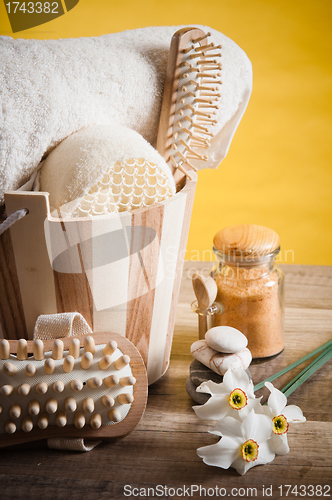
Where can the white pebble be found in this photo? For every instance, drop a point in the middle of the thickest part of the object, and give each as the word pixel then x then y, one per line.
pixel 217 361
pixel 226 339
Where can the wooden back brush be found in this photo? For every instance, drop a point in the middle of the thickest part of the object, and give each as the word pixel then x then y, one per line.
pixel 92 386
pixel 190 102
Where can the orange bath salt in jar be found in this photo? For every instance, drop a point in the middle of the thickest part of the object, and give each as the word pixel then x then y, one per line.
pixel 250 286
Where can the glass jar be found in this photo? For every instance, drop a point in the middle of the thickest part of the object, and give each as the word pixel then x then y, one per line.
pixel 250 286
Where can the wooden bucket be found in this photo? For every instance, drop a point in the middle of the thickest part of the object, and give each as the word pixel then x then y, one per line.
pixel 122 273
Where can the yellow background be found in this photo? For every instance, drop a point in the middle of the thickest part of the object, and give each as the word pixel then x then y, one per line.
pixel 278 171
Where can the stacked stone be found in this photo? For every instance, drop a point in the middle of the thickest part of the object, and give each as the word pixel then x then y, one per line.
pixel 223 348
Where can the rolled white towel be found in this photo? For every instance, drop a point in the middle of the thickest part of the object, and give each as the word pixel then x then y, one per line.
pixel 52 88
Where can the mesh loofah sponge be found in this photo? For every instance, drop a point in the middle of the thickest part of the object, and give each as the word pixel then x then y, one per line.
pixel 104 169
pixel 128 185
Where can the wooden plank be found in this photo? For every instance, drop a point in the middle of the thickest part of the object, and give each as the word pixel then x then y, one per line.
pixel 12 319
pixel 308 286
pixel 72 289
pixel 305 329
pixel 144 263
pixel 73 293
pixel 305 286
pixel 162 448
pixel 190 190
pixel 34 271
pixel 169 459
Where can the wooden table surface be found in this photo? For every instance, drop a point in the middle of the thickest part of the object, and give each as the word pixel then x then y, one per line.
pixel 162 449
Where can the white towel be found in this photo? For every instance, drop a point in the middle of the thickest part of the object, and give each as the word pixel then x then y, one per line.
pixel 52 88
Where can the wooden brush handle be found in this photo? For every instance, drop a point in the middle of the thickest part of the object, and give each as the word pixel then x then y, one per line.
pixel 179 43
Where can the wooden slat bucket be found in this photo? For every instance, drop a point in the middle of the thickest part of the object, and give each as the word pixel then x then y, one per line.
pixel 122 272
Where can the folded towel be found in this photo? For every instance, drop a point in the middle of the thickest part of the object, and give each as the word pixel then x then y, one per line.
pixel 52 88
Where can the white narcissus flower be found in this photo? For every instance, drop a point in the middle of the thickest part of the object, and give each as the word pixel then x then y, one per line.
pixel 234 396
pixel 281 415
pixel 243 444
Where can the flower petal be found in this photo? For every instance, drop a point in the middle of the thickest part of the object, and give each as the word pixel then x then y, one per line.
pixel 293 414
pixel 221 454
pixel 277 400
pixel 236 378
pixel 241 466
pixel 212 388
pixel 214 409
pixel 265 410
pixel 257 427
pixel 250 390
pixel 230 427
pixel 265 454
pixel 253 404
pixel 278 444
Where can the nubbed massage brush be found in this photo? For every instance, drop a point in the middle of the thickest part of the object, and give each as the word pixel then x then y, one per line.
pixel 190 101
pixel 92 386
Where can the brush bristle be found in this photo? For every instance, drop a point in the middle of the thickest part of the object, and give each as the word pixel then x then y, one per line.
pixel 197 101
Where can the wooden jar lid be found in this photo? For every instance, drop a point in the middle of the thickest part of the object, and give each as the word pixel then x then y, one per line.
pixel 246 239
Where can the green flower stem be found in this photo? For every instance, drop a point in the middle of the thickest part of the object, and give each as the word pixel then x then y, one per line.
pixel 317 363
pixel 323 347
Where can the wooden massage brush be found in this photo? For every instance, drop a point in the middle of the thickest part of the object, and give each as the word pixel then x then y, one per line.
pixel 90 386
pixel 190 101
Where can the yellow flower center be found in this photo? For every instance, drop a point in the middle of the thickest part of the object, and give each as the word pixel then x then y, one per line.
pixel 249 450
pixel 237 399
pixel 280 424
